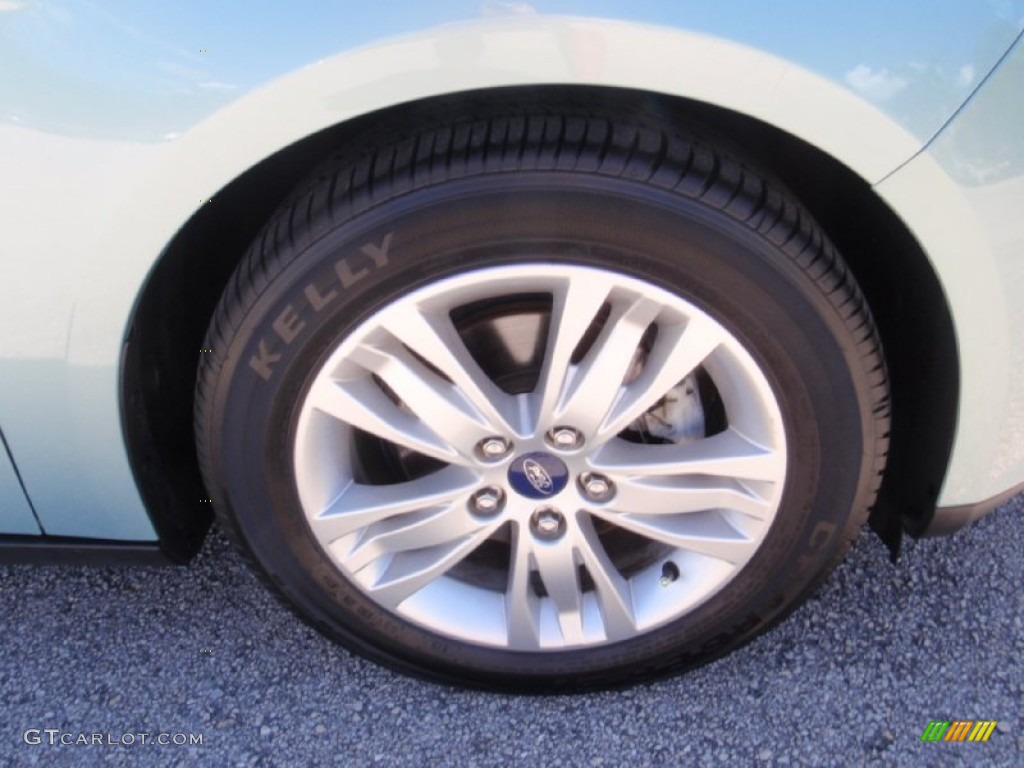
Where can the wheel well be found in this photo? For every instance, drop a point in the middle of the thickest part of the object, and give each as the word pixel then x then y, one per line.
pixel 909 308
pixel 171 316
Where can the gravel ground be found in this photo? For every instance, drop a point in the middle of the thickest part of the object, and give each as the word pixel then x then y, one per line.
pixel 852 678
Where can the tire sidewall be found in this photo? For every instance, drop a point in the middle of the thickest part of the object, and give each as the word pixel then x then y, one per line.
pixel 750 286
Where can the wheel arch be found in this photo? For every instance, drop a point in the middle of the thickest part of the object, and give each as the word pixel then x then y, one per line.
pixel 181 292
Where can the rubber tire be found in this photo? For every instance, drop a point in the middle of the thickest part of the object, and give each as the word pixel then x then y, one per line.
pixel 626 192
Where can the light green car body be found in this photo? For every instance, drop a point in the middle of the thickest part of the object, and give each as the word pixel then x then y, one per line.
pixel 119 121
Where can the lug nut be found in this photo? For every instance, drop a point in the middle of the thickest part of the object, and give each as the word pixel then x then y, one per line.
pixel 565 438
pixel 494 448
pixel 547 523
pixel 596 487
pixel 487 501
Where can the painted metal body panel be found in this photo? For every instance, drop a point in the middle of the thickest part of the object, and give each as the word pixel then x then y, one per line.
pixel 15 513
pixel 971 224
pixel 119 120
pixel 123 69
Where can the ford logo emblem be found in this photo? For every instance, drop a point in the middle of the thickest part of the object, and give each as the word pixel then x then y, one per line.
pixel 538 477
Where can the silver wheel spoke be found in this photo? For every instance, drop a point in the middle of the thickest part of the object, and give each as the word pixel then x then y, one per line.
pixel 598 379
pixel 438 404
pixel 362 404
pixel 613 593
pixel 558 565
pixel 559 572
pixel 434 338
pixel 674 496
pixel 677 352
pixel 522 606
pixel 694 533
pixel 727 454
pixel 416 530
pixel 409 572
pixel 576 305
pixel 361 505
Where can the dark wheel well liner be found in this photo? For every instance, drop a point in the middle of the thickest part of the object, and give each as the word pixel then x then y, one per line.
pixel 164 343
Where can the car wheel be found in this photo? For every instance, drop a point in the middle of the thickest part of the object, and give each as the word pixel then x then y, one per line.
pixel 542 402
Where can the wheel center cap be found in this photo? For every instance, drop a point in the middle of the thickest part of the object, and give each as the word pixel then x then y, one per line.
pixel 538 475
